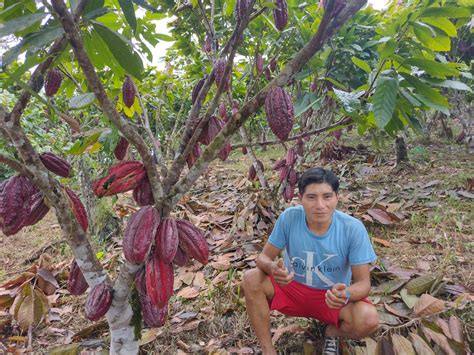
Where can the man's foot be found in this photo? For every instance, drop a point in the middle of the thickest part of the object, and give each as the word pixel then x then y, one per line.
pixel 331 346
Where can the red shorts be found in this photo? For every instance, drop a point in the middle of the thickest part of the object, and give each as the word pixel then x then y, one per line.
pixel 299 300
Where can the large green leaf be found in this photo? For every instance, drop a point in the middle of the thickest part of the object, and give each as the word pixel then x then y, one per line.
pixel 451 11
pixel 305 102
pixel 164 37
pixel 451 84
pixel 361 64
pixel 350 100
pixel 388 48
pixel 428 37
pixel 20 23
pixel 425 90
pixel 121 50
pixel 129 12
pixel 442 23
pixel 81 144
pixel 436 69
pixel 82 100
pixel 385 98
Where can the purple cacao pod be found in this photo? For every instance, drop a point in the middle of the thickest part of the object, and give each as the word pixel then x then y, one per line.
pixel 128 92
pixel 98 301
pixel 279 111
pixel 53 82
pixel 280 14
pixel 197 88
pixel 121 148
pixel 220 78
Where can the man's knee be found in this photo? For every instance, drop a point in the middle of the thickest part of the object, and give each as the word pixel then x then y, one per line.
pixel 252 279
pixel 366 319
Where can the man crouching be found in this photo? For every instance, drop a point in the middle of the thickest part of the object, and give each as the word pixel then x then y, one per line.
pixel 325 249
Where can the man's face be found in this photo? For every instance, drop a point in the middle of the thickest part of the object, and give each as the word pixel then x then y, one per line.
pixel 319 202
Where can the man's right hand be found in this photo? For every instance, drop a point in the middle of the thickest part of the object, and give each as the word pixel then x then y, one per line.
pixel 280 274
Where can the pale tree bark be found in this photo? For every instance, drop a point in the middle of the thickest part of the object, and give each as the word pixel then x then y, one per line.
pixel 253 158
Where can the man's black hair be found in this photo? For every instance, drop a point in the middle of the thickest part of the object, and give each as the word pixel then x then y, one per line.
pixel 318 176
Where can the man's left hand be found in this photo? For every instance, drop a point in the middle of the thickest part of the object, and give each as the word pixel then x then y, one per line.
pixel 336 296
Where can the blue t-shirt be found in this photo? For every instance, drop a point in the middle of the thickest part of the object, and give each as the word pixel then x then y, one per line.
pixel 322 261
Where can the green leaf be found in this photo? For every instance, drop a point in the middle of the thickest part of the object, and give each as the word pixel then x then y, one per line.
pixel 425 90
pixel 361 64
pixel 436 69
pixel 385 98
pixel 229 7
pixel 446 11
pixel 20 23
pixel 451 84
pixel 388 48
pixel 82 100
pixel 305 102
pixel 164 37
pixel 443 24
pixel 121 50
pixel 81 144
pixel 303 74
pixel 129 12
pixel 428 37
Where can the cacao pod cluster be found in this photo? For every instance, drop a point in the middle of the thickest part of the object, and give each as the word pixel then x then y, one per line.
pixel 160 243
pixel 287 173
pixel 279 111
pixel 128 92
pixel 53 82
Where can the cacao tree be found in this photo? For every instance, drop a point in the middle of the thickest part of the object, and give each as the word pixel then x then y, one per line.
pixel 88 56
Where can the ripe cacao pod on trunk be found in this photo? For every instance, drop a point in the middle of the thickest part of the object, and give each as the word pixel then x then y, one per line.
pixel 142 193
pixel 197 88
pixel 140 281
pixel 78 209
pixel 121 148
pixel 192 241
pixel 225 151
pixel 279 111
pixel 128 92
pixel 76 283
pixel 166 240
pixel 252 173
pixel 15 195
pixel 121 177
pixel 139 234
pixel 193 156
pixel 280 14
pixel 53 82
pixel 220 78
pixel 259 64
pixel 210 130
pixel 279 164
pixel 288 193
pixel 267 74
pixel 273 64
pixel 153 316
pixel 180 258
pixel 284 170
pixel 159 280
pixel 98 301
pixel 55 164
pixel 290 157
pixel 292 177
pixel 38 209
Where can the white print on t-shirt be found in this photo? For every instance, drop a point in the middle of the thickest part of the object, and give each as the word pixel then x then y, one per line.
pixel 307 272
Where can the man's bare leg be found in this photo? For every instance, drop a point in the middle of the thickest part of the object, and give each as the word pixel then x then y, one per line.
pixel 358 320
pixel 258 290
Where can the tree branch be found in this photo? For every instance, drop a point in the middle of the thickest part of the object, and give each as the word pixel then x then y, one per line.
pixel 325 30
pixel 94 83
pixel 15 165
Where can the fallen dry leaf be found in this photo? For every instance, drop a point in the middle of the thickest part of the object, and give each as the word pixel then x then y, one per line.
pixel 427 305
pixel 292 328
pixel 221 277
pixel 383 242
pixel 188 292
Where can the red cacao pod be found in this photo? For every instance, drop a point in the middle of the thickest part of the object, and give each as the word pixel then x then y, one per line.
pixel 153 316
pixel 78 209
pixel 279 110
pixel 252 175
pixel 159 281
pixel 267 74
pixel 53 82
pixel 121 148
pixel 279 164
pixel 38 209
pixel 98 301
pixel 280 14
pixel 139 234
pixel 225 151
pixel 210 130
pixel 292 177
pixel 142 193
pixel 244 150
pixel 197 88
pixel 284 173
pixel 140 281
pixel 193 156
pixel 166 240
pixel 128 92
pixel 55 164
pixel 223 112
pixel 192 241
pixel 121 177
pixel 290 157
pixel 76 283
pixel 15 195
pixel 220 78
pixel 180 258
pixel 288 193
pixel 259 64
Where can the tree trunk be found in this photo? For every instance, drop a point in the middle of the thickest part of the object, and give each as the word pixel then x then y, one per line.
pixel 401 150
